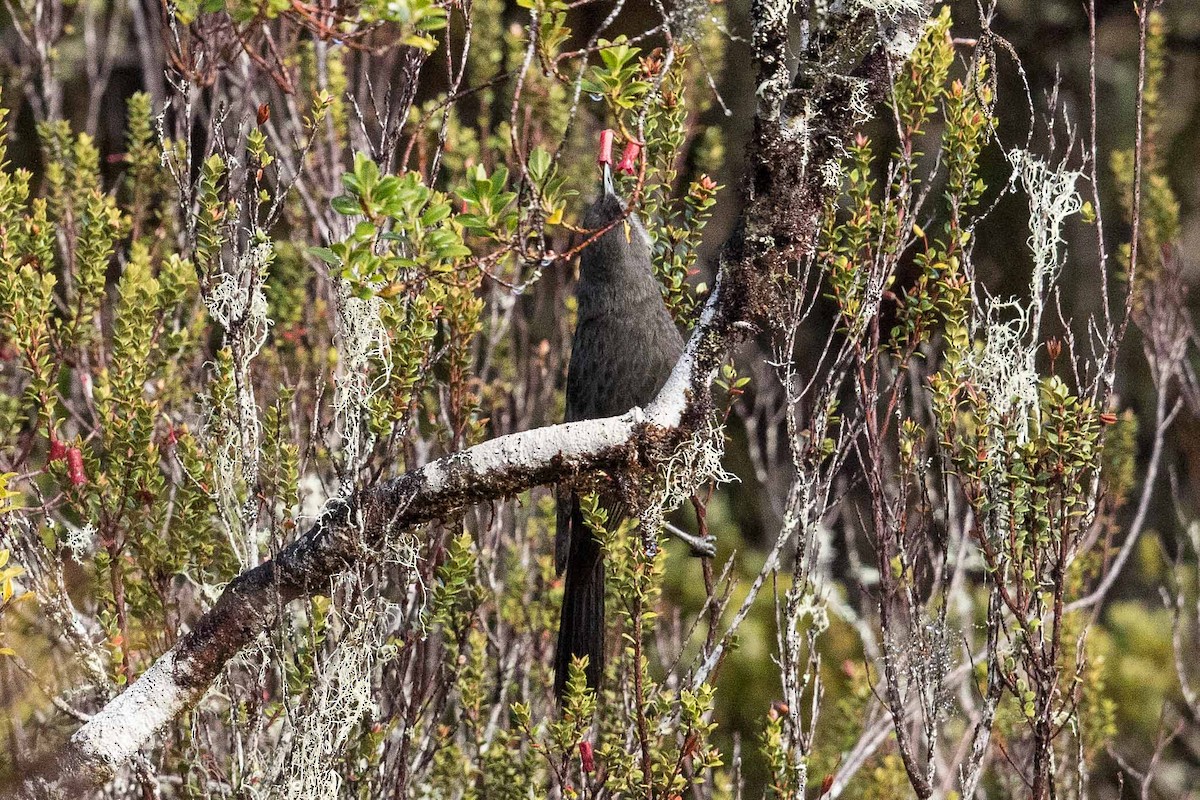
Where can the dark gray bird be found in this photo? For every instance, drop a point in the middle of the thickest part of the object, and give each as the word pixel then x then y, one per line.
pixel 624 348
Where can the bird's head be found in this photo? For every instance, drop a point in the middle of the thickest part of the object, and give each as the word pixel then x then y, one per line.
pixel 608 205
pixel 621 256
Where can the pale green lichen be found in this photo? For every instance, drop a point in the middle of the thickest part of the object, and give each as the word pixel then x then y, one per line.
pixel 1052 198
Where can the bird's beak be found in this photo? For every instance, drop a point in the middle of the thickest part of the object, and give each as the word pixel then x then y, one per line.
pixel 607 178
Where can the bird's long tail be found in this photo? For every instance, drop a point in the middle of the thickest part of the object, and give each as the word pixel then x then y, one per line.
pixel 581 627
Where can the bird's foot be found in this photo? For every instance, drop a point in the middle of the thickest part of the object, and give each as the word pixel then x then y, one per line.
pixel 702 546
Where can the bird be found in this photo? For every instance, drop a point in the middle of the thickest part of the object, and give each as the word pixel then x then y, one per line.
pixel 623 349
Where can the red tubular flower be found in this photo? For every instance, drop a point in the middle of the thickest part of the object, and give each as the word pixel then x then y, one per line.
pixel 629 158
pixel 587 757
pixel 75 471
pixel 58 450
pixel 604 156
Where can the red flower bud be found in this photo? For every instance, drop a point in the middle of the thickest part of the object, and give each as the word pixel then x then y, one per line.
pixel 629 158
pixel 58 450
pixel 75 471
pixel 604 156
pixel 587 757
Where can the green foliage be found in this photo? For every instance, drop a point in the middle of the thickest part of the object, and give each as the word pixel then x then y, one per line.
pixel 1159 218
pixel 416 20
pixel 489 211
pixel 869 231
pixel 676 220
pixel 210 220
pixel 921 86
pixel 1023 447
pixel 618 78
pixel 117 486
pixel 550 187
pixel 177 320
pixel 406 226
pixel 552 32
pixel 455 595
pixel 145 182
pixel 1120 456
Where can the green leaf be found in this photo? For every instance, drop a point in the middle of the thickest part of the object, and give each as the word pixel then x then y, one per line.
pixel 326 255
pixel 435 214
pixel 346 205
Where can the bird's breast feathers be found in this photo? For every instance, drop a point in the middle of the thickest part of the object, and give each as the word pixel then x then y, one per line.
pixel 619 361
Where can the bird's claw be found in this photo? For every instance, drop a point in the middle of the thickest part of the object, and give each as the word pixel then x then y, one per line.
pixel 702 546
